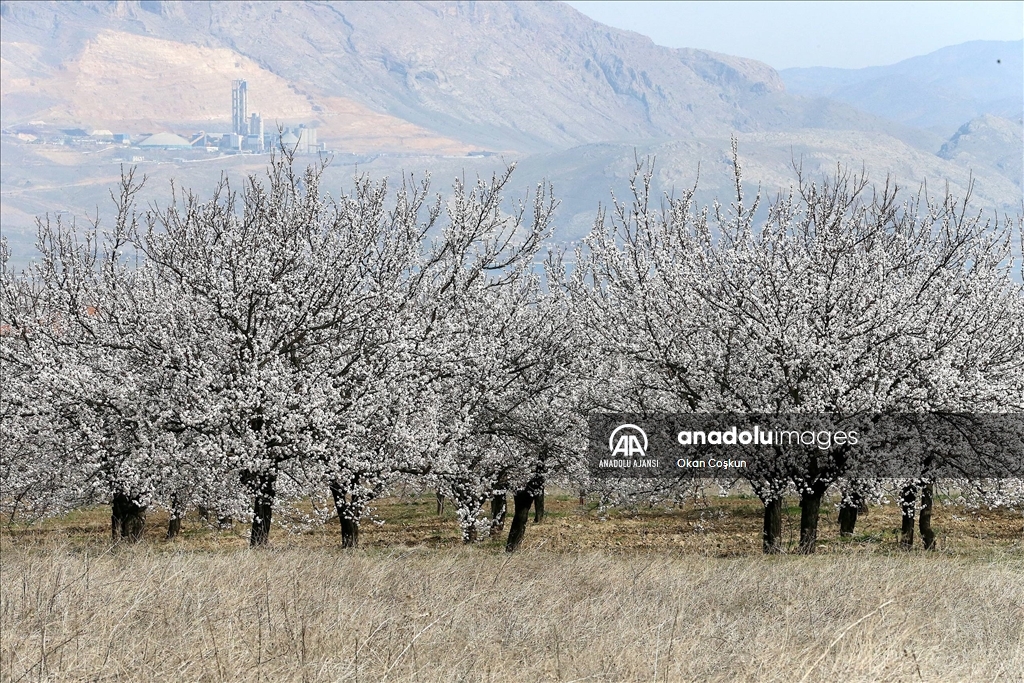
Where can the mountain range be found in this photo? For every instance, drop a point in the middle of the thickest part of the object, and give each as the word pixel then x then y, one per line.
pixel 940 91
pixel 459 88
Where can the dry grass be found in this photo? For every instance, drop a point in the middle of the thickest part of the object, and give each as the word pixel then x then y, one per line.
pixel 661 593
pixel 150 613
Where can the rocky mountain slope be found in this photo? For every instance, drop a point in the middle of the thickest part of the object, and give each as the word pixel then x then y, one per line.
pixel 989 141
pixel 512 76
pixel 422 86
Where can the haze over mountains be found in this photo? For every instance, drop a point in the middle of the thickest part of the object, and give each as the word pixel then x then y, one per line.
pixel 939 91
pixel 507 76
pixel 395 87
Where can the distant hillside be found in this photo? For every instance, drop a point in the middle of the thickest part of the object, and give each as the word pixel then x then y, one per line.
pixel 941 90
pixel 423 86
pixel 43 178
pixel 447 77
pixel 989 140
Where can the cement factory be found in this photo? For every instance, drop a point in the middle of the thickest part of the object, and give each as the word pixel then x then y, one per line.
pixel 248 134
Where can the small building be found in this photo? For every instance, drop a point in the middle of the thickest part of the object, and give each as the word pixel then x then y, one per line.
pixel 301 139
pixel 165 141
pixel 254 141
pixel 289 140
pixel 231 141
pixel 307 140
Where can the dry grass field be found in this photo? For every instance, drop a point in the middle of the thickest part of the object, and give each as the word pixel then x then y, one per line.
pixel 666 594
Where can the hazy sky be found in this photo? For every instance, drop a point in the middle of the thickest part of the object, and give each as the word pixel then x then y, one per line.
pixel 787 34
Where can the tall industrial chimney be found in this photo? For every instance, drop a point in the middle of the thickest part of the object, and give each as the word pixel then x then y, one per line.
pixel 239 108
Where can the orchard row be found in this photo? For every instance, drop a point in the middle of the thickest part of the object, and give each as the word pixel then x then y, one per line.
pixel 271 344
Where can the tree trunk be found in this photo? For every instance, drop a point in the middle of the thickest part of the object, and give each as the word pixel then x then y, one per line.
pixel 927 533
pixel 810 509
pixel 847 519
pixel 262 509
pixel 127 519
pixel 538 507
pixel 177 514
pixel 349 533
pixel 348 515
pixel 499 505
pixel 468 505
pixel 173 526
pixel 849 509
pixel 771 536
pixel 907 504
pixel 521 502
pixel 470 533
pixel 440 503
